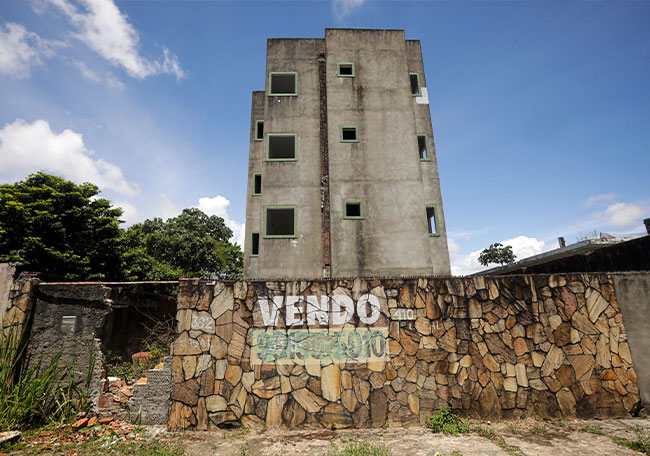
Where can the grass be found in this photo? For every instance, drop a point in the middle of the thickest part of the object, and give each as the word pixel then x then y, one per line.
pixel 38 394
pixel 641 444
pixel 360 448
pixel 157 342
pixel 447 422
pixel 498 440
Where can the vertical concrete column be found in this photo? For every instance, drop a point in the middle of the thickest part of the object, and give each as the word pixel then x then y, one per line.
pixel 324 167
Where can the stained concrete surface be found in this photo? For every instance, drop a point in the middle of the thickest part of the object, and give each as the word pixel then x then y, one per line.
pixel 523 437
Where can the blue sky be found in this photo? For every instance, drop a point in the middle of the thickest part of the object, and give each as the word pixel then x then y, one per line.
pixel 540 110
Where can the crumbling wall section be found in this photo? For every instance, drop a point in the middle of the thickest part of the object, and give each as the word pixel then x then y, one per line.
pixel 150 401
pixel 21 297
pixel 355 353
pixel 66 321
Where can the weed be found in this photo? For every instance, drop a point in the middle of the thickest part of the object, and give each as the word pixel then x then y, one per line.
pixel 447 422
pixel 359 448
pixel 513 429
pixel 497 439
pixel 34 395
pixel 243 451
pixel 538 429
pixel 456 453
pixel 592 430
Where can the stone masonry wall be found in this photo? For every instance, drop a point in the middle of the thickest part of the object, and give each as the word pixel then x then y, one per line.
pixel 356 353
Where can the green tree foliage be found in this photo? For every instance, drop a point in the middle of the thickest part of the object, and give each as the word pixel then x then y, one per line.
pixel 56 226
pixel 497 253
pixel 189 245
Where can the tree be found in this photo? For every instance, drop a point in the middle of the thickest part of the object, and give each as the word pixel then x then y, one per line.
pixel 189 245
pixel 497 253
pixel 56 226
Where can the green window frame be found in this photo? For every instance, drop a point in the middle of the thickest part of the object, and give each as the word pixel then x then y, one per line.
pixel 280 236
pixel 256 135
pixel 255 176
pixel 269 137
pixel 426 145
pixel 349 127
pixel 432 214
pixel 283 73
pixel 419 92
pixel 253 254
pixel 361 215
pixel 345 65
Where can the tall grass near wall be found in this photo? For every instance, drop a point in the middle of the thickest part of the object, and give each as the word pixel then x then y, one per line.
pixel 35 395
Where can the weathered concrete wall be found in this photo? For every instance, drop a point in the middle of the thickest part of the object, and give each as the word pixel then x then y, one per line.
pixel 7 274
pixel 66 320
pixel 150 401
pixel 375 352
pixel 633 295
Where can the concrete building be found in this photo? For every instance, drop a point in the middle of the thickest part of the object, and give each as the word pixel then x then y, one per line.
pixel 343 178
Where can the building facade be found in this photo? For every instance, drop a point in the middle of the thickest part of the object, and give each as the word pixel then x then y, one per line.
pixel 343 179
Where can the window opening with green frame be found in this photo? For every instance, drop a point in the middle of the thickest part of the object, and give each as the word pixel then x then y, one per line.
pixel 281 146
pixel 415 84
pixel 423 147
pixel 280 221
pixel 283 83
pixel 259 130
pixel 349 134
pixel 255 244
pixel 353 209
pixel 345 70
pixel 257 184
pixel 432 220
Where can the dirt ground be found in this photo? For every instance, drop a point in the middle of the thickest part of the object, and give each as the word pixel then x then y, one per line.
pixel 525 438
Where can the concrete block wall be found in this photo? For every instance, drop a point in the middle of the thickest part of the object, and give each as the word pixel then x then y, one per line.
pixel 355 353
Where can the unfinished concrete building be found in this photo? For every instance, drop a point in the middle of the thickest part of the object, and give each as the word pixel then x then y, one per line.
pixel 343 178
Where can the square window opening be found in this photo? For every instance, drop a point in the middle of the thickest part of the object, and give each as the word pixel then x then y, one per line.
pixel 257 184
pixel 255 244
pixel 259 130
pixel 422 146
pixel 280 222
pixel 415 83
pixel 346 69
pixel 353 209
pixel 349 134
pixel 283 84
pixel 281 147
pixel 432 220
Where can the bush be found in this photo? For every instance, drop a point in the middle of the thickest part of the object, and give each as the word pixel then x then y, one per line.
pixel 360 448
pixel 447 422
pixel 35 395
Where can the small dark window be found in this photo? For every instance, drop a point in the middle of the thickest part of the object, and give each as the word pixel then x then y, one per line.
pixel 283 84
pixel 255 248
pixel 353 209
pixel 258 184
pixel 432 220
pixel 422 146
pixel 346 70
pixel 259 130
pixel 281 147
pixel 280 222
pixel 415 83
pixel 349 134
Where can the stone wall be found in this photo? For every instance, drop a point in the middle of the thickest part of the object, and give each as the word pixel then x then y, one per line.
pixel 20 300
pixel 361 353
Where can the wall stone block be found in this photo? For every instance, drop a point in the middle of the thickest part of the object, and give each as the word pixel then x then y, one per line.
pixel 353 353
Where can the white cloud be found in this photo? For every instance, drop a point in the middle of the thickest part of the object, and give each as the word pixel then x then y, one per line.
pixel 218 206
pixel 113 82
pixel 597 198
pixel 522 247
pixel 27 148
pixel 131 214
pixel 621 215
pixel 20 50
pixel 86 72
pixel 344 7
pixel 106 30
pixel 164 208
